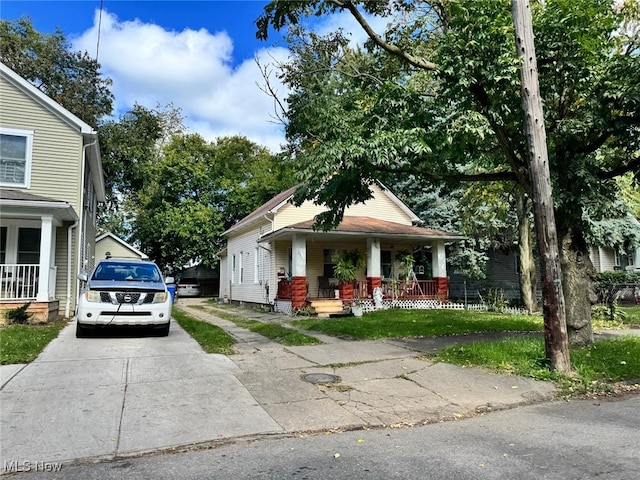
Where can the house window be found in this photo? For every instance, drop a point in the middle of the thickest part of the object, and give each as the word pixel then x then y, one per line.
pixel 386 263
pixel 256 266
pixel 233 268
pixel 15 157
pixel 3 245
pixel 28 245
pixel 241 267
pixel 328 263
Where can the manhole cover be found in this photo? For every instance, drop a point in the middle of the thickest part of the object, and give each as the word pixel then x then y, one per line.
pixel 321 378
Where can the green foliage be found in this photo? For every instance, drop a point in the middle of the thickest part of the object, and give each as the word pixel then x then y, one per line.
pixel 23 343
pixel 347 264
pixel 70 78
pixel 196 190
pixel 19 315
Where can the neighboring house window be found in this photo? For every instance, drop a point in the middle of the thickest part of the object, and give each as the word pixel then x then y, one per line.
pixel 3 245
pixel 386 263
pixel 28 245
pixel 256 266
pixel 241 267
pixel 616 260
pixel 233 268
pixel 15 157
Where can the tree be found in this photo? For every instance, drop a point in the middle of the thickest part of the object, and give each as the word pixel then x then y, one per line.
pixel 70 78
pixel 196 190
pixel 446 105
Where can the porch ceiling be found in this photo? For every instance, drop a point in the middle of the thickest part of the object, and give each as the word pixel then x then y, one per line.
pixel 352 228
pixel 19 204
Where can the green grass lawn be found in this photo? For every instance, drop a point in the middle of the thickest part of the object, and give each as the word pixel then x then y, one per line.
pixel 23 343
pixel 631 316
pixel 394 323
pixel 211 338
pixel 597 367
pixel 277 333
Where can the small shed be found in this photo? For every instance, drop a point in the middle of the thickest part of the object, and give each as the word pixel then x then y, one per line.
pixel 109 245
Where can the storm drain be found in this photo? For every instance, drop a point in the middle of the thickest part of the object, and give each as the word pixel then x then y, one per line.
pixel 320 378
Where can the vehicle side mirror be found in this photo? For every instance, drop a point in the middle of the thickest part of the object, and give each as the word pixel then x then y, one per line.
pixel 83 277
pixel 169 280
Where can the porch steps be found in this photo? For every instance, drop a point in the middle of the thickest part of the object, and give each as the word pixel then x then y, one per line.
pixel 325 307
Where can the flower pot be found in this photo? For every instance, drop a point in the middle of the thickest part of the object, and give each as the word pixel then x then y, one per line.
pixel 357 311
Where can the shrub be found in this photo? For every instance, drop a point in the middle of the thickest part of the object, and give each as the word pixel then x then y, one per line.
pixel 19 315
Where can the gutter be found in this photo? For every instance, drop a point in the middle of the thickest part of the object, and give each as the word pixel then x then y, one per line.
pixel 81 223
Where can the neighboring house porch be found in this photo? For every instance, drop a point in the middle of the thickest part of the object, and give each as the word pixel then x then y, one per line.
pixel 31 232
pixel 306 266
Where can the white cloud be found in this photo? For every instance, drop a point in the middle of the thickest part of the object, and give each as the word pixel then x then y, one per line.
pixel 193 70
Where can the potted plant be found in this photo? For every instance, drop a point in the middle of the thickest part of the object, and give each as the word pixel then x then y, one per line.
pixel 356 308
pixel 346 271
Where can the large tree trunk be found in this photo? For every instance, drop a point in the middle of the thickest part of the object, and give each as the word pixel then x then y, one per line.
pixel 577 284
pixel 527 263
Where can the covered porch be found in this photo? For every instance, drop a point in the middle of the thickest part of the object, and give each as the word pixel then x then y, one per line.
pixel 28 242
pixel 305 269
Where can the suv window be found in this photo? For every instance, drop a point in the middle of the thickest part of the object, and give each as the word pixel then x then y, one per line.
pixel 188 281
pixel 125 271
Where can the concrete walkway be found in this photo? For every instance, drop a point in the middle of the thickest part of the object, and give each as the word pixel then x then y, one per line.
pixel 103 398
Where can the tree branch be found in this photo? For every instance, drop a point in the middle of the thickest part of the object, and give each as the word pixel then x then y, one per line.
pixel 378 40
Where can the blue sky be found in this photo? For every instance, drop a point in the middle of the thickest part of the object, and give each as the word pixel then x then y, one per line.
pixel 198 56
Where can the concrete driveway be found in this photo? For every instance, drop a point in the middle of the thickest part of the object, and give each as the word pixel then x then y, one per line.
pixel 99 397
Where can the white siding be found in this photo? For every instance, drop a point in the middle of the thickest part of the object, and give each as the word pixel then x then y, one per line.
pixel 243 245
pixel 57 148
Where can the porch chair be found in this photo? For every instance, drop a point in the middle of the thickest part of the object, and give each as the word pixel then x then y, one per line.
pixel 324 288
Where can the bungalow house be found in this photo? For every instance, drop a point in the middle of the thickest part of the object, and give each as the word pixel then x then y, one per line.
pixel 110 245
pixel 50 184
pixel 274 256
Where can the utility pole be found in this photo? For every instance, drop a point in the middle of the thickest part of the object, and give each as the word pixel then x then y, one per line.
pixel 555 322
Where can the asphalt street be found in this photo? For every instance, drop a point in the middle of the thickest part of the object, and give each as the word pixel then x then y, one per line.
pixel 581 439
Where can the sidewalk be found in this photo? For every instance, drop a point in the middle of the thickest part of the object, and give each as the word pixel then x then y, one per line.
pixel 380 383
pixel 105 398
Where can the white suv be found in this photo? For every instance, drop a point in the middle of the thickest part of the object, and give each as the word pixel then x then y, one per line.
pixel 124 292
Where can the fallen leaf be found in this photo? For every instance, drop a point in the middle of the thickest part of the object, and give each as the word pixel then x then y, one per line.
pixel 361 440
pixel 336 455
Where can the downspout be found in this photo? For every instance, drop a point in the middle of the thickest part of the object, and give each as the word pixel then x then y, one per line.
pixel 270 279
pixel 67 308
pixel 79 223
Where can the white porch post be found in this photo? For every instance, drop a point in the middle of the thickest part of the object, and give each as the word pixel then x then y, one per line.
pixel 439 268
pixel 298 256
pixel 438 259
pixel 298 271
pixel 374 268
pixel 46 238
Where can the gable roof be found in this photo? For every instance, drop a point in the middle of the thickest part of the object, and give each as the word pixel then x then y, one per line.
pixel 113 237
pixel 358 226
pixel 89 135
pixel 273 205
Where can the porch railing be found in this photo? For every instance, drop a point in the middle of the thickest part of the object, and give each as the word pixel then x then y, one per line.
pixel 19 281
pixel 410 290
pixel 393 290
